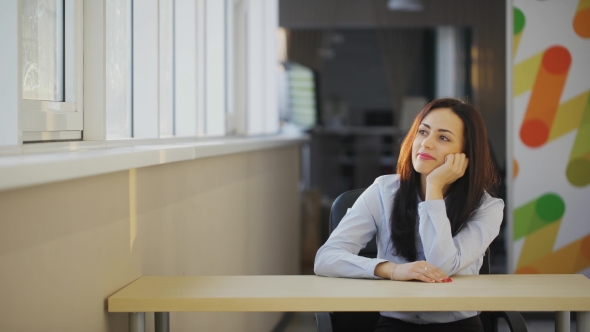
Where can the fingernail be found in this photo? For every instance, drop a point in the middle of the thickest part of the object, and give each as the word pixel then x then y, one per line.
pixel 449 280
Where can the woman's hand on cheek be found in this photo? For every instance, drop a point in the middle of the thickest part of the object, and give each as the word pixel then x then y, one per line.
pixel 453 168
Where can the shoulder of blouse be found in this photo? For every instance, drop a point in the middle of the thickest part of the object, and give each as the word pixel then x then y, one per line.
pixel 388 183
pixel 488 200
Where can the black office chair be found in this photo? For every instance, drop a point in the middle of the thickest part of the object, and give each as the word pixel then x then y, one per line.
pixel 366 321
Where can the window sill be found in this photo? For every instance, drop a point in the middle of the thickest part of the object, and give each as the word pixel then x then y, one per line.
pixel 35 164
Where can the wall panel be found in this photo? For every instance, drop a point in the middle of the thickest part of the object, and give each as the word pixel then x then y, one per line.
pixel 550 137
pixel 65 247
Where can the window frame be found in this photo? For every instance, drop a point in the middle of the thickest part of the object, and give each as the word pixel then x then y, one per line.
pixel 42 120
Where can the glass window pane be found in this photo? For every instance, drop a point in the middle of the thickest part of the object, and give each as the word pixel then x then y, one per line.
pixel 166 68
pixel 9 85
pixel 145 69
pixel 255 87
pixel 43 49
pixel 185 67
pixel 271 16
pixel 215 72
pixel 69 51
pixel 118 68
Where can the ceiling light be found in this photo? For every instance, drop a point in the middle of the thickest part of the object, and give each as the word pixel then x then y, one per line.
pixel 405 5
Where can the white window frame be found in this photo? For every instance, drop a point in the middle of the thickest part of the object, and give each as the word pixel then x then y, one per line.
pixel 39 163
pixel 83 117
pixel 42 120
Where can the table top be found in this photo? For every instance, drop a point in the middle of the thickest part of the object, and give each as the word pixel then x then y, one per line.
pixel 308 293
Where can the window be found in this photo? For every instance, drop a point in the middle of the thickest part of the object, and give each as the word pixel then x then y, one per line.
pixel 166 68
pixel 137 69
pixel 51 60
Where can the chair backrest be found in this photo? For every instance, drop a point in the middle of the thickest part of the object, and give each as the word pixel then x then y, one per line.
pixel 341 204
pixel 351 321
pixel 345 201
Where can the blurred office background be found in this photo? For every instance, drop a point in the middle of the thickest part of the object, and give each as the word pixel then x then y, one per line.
pixel 522 63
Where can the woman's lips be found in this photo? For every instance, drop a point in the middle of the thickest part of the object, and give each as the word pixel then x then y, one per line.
pixel 425 156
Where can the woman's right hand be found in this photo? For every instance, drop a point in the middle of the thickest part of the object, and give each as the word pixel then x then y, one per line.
pixel 420 270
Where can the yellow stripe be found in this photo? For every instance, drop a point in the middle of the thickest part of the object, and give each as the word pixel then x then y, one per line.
pixel 515 43
pixel 525 73
pixel 583 4
pixel 538 244
pixel 569 115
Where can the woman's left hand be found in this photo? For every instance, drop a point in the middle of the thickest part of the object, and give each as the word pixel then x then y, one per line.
pixel 419 270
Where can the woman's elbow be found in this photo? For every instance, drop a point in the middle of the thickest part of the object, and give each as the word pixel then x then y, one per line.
pixel 448 270
pixel 449 266
pixel 326 262
pixel 319 264
pixel 317 269
pixel 320 268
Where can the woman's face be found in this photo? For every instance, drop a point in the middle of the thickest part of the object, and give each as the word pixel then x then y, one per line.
pixel 440 133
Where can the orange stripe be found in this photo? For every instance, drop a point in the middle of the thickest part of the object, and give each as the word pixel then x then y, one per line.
pixel 545 97
pixel 572 258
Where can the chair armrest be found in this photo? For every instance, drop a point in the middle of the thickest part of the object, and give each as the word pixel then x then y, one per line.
pixel 323 321
pixel 514 319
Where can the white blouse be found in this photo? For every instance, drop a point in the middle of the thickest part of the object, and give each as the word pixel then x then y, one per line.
pixel 370 215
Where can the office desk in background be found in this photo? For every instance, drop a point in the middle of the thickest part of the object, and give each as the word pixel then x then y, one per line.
pixel 559 293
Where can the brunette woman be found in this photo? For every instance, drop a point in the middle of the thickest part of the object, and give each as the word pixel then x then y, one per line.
pixel 432 220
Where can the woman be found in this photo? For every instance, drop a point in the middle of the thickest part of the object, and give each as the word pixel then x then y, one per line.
pixel 432 220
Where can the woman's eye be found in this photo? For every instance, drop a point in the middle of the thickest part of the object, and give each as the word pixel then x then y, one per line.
pixel 444 138
pixel 422 132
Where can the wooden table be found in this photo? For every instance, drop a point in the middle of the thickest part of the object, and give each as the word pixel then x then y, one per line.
pixel 559 293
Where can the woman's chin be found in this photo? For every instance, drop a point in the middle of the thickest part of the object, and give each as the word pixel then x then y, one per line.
pixel 422 169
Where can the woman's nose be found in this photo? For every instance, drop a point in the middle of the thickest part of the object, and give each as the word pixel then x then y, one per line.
pixel 427 142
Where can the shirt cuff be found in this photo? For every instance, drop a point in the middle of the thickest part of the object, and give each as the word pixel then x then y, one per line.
pixel 437 204
pixel 373 265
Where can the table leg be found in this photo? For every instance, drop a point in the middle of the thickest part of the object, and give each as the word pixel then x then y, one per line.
pixel 583 321
pixel 137 322
pixel 162 321
pixel 562 321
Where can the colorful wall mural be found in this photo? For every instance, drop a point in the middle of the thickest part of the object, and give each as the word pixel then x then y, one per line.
pixel 550 115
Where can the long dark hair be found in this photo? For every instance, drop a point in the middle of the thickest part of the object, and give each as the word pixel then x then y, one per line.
pixel 464 195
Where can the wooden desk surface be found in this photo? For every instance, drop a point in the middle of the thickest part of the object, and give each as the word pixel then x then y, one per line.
pixel 315 294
